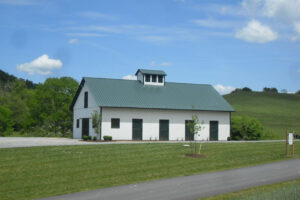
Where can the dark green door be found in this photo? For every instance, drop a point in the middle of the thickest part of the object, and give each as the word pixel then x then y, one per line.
pixel 137 129
pixel 85 126
pixel 188 134
pixel 163 129
pixel 213 130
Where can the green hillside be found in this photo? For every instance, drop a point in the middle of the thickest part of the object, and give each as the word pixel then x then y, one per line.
pixel 277 112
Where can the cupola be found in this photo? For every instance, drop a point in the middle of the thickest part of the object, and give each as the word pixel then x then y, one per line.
pixel 151 77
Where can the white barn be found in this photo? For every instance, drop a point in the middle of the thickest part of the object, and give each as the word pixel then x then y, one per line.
pixel 149 108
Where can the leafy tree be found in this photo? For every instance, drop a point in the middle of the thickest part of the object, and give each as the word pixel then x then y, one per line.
pixel 195 127
pixel 245 128
pixel 270 90
pixel 96 119
pixel 6 122
pixel 5 77
pixel 246 89
pixel 49 105
pixel 298 92
pixel 14 96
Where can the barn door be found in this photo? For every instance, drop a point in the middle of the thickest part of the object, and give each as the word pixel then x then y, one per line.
pixel 188 134
pixel 137 129
pixel 163 129
pixel 85 126
pixel 213 130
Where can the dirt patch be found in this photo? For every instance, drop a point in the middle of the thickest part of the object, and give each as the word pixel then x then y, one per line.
pixel 192 155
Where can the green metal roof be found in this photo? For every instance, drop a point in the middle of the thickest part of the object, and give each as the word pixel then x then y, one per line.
pixel 133 94
pixel 148 71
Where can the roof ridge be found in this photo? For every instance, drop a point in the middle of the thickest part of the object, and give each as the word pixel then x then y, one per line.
pixel 137 80
pixel 121 79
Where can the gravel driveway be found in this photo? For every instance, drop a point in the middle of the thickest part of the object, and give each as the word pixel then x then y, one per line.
pixel 12 142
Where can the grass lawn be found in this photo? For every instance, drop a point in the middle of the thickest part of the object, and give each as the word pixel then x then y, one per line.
pixel 277 112
pixel 28 173
pixel 279 191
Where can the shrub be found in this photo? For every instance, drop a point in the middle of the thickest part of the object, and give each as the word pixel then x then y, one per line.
pixel 107 138
pixel 95 138
pixel 245 128
pixel 86 137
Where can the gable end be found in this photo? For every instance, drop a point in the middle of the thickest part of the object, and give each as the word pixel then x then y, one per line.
pixel 77 94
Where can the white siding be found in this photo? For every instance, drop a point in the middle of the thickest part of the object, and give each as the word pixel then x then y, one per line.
pixel 80 112
pixel 151 119
pixel 140 77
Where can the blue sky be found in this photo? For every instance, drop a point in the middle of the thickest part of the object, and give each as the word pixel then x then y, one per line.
pixel 229 44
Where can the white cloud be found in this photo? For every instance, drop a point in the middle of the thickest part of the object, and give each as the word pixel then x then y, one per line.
pixel 256 32
pixel 165 64
pixel 43 65
pixel 283 9
pixel 287 10
pixel 73 41
pixel 223 89
pixel 162 64
pixel 252 7
pixel 297 27
pixel 97 15
pixel 296 36
pixel 129 77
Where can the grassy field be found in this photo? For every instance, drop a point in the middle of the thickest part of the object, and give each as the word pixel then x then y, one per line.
pixel 289 190
pixel 277 112
pixel 28 173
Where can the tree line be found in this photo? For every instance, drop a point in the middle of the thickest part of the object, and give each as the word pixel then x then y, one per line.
pixel 265 89
pixel 33 109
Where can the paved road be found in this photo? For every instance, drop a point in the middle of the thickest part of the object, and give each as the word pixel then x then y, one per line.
pixel 193 187
pixel 12 142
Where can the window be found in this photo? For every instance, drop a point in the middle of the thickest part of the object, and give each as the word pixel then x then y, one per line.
pixel 115 123
pixel 86 99
pixel 77 123
pixel 154 78
pixel 147 78
pixel 160 79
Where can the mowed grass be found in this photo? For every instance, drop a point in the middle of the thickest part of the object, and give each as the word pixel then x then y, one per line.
pixel 28 173
pixel 277 112
pixel 280 191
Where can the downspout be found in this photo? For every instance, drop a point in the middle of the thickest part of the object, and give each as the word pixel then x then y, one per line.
pixel 100 122
pixel 72 124
pixel 229 125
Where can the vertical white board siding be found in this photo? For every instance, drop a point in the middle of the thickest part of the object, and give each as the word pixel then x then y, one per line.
pixel 151 119
pixel 80 112
pixel 140 77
